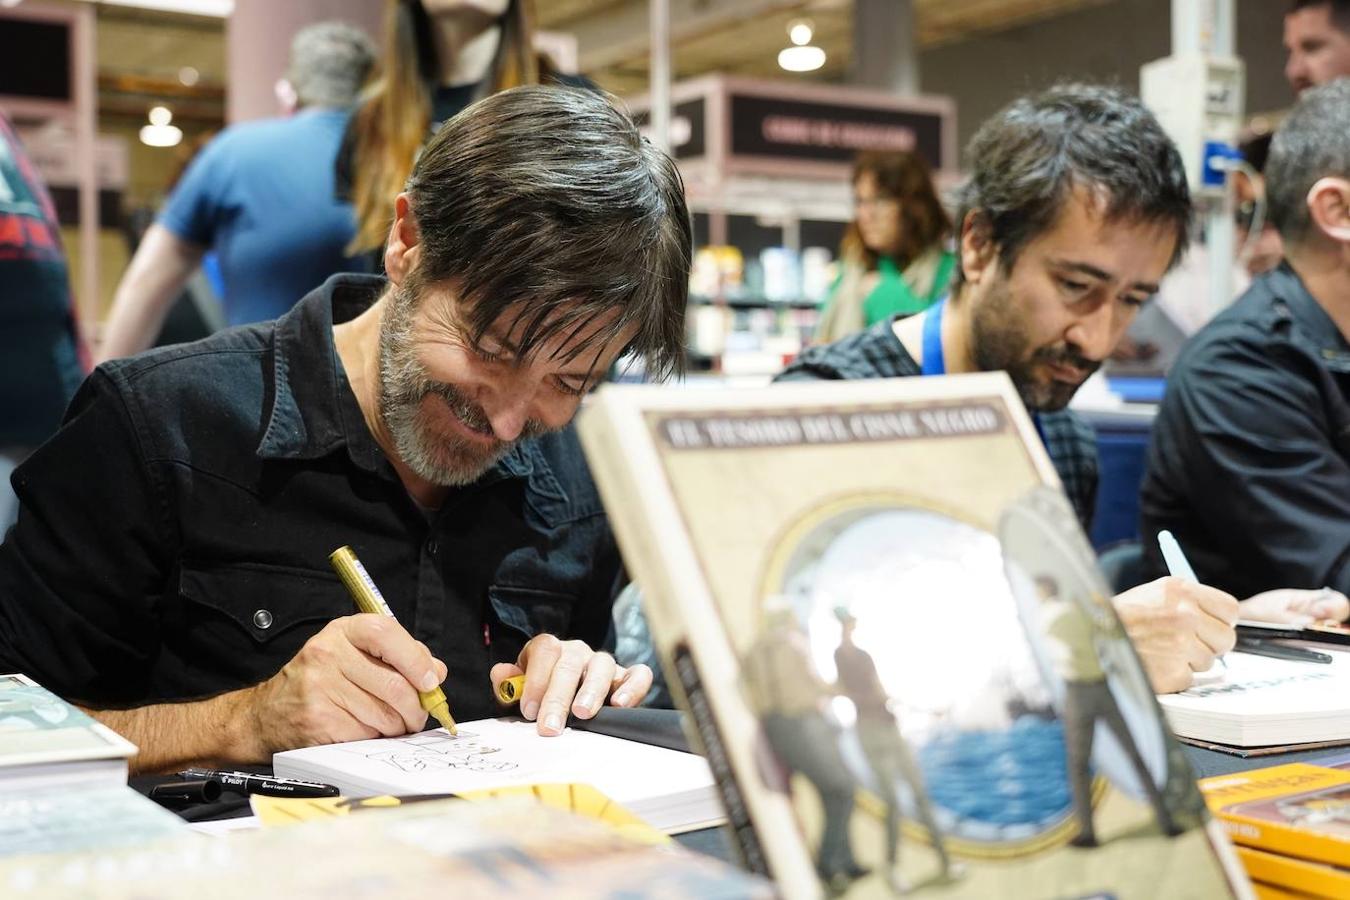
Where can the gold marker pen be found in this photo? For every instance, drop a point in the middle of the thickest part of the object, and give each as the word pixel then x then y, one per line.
pixel 510 689
pixel 369 600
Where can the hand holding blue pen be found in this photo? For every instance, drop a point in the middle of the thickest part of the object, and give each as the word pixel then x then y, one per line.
pixel 1179 566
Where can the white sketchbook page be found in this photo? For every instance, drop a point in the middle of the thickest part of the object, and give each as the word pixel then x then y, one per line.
pixel 1262 689
pixel 492 753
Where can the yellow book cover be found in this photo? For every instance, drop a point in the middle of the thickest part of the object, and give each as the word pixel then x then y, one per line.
pixel 1296 874
pixel 1273 892
pixel 1295 809
pixel 895 646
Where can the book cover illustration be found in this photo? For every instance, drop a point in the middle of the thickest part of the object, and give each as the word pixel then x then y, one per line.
pixel 932 694
pixel 36 726
pixel 497 848
pixel 1297 809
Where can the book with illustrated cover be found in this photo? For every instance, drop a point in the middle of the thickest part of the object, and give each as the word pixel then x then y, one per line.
pixel 890 633
pixel 1313 878
pixel 1296 809
pixel 44 740
pixel 441 848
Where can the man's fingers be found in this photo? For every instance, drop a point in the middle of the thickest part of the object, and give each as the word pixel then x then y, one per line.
pixel 396 708
pixel 631 685
pixel 537 660
pixel 562 686
pixel 1215 637
pixel 600 674
pixel 369 712
pixel 1332 605
pixel 442 670
pixel 385 639
pixel 1213 602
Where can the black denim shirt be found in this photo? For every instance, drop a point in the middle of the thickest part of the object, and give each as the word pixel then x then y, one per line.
pixel 174 535
pixel 1249 465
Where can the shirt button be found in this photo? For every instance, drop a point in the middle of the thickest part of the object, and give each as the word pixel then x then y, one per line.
pixel 432 546
pixel 263 619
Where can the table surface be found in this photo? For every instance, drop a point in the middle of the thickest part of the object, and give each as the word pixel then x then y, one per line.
pixel 664 727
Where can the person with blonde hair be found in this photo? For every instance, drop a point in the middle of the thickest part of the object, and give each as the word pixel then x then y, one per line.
pixel 895 259
pixel 438 57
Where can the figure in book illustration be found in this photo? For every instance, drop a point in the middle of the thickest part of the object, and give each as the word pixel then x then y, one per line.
pixel 935 699
pixel 1088 700
pixel 1328 811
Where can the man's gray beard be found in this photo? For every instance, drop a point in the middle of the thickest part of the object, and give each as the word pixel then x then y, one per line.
pixel 1000 342
pixel 447 460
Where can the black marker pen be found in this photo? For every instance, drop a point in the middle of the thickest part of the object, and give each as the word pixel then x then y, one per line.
pixel 266 785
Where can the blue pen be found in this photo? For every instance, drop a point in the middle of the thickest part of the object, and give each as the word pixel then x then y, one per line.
pixel 1178 565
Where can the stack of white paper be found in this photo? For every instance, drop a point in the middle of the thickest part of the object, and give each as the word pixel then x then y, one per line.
pixel 1260 701
pixel 673 791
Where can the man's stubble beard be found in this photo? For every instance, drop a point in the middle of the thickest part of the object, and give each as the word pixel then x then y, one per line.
pixel 440 458
pixel 999 341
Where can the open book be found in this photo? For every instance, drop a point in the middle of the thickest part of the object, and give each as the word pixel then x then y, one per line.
pixel 672 791
pixel 1259 701
pixel 879 610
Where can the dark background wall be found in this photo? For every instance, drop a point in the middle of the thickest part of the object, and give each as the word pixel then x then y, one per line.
pixel 1106 42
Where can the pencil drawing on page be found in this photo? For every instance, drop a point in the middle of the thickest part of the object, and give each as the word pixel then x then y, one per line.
pixel 436 750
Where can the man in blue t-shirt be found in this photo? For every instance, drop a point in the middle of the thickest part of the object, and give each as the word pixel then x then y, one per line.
pixel 261 196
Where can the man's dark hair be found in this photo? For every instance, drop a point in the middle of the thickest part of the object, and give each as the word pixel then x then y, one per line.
pixel 1312 143
pixel 1340 10
pixel 549 198
pixel 1025 162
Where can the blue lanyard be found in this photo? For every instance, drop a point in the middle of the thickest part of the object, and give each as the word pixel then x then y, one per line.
pixel 933 361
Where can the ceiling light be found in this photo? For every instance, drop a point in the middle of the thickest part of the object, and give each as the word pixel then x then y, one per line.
pixel 221 8
pixel 801 59
pixel 801 56
pixel 159 133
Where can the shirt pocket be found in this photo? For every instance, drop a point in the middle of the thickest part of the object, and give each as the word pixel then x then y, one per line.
pixel 241 624
pixel 520 613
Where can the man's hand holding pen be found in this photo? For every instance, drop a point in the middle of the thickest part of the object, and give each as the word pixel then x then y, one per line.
pixel 356 679
pixel 568 676
pixel 1178 628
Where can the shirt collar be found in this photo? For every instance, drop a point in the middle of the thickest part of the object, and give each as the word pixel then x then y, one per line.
pixel 1314 327
pixel 311 410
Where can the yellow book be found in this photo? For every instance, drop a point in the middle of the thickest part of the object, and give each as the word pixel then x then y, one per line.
pixel 1295 809
pixel 580 799
pixel 1297 874
pixel 1265 891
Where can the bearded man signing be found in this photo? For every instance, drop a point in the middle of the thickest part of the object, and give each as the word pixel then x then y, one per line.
pixel 169 566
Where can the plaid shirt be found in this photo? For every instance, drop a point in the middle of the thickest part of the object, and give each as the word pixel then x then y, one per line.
pixel 878 353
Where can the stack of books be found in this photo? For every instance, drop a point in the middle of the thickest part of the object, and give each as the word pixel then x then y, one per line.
pixel 1291 825
pixel 1271 704
pixel 63 779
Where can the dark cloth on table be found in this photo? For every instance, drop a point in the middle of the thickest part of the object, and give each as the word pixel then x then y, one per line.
pixel 174 536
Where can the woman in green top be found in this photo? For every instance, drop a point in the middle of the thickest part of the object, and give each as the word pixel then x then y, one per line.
pixel 894 257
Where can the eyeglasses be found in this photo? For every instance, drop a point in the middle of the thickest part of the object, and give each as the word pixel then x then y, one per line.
pixel 879 201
